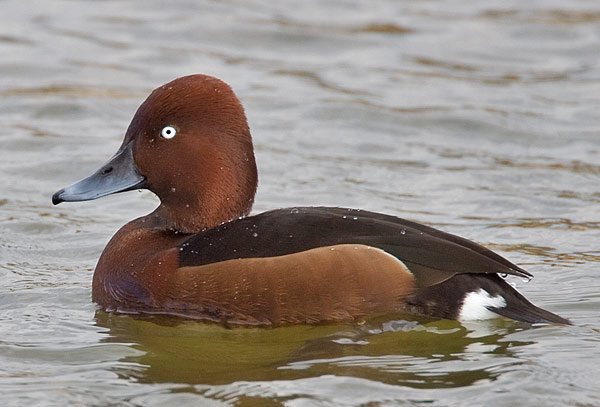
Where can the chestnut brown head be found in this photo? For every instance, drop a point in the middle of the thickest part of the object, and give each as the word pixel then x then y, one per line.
pixel 190 144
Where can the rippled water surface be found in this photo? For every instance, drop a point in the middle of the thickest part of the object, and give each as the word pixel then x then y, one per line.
pixel 478 118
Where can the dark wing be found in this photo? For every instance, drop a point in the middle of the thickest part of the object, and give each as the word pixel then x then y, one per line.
pixel 431 255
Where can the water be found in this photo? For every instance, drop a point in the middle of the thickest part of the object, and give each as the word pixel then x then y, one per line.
pixel 476 118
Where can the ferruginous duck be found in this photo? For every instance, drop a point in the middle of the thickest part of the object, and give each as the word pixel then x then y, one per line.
pixel 201 255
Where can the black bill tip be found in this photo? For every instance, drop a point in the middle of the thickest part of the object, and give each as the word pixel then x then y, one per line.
pixel 57 197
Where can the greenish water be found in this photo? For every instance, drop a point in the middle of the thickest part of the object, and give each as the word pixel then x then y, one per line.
pixel 480 119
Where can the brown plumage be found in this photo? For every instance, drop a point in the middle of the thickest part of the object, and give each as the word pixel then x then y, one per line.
pixel 199 254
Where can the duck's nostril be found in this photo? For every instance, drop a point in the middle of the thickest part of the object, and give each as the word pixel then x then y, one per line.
pixel 107 170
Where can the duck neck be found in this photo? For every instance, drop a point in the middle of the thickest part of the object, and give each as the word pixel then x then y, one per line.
pixel 186 219
pixel 199 207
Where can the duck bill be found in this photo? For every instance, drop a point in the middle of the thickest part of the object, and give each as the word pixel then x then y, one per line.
pixel 119 174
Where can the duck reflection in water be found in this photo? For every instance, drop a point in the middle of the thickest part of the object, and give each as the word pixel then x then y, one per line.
pixel 421 353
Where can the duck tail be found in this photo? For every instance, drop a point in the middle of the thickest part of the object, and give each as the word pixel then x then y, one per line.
pixel 471 296
pixel 520 309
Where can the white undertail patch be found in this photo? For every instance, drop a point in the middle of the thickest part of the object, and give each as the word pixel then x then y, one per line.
pixel 475 305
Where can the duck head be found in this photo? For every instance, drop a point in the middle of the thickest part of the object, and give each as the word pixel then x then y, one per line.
pixel 190 144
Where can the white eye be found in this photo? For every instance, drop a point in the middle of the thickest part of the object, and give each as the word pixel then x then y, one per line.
pixel 168 132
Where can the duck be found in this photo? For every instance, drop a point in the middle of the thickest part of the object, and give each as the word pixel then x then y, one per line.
pixel 201 254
